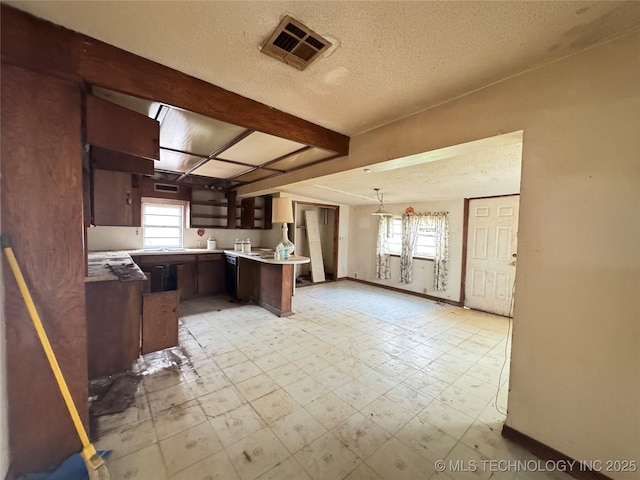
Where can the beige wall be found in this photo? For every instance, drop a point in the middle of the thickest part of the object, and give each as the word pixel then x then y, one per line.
pixel 362 252
pixel 130 238
pixel 574 381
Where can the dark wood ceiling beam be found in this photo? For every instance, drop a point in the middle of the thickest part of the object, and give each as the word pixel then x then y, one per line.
pixel 41 45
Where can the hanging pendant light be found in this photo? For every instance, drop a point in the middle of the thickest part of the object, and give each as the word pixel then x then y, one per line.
pixel 381 211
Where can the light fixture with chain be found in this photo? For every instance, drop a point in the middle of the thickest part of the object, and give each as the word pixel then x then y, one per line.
pixel 381 211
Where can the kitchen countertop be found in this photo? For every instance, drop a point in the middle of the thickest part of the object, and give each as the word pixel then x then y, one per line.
pixel 182 251
pixel 101 262
pixel 293 259
pixel 100 267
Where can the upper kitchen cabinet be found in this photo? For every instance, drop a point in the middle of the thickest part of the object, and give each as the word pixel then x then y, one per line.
pixel 105 159
pixel 120 129
pixel 116 201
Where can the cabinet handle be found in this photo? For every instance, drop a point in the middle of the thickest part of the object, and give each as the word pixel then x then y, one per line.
pixel 129 198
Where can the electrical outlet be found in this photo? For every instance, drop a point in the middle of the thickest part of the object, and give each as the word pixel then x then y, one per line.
pixel 355 275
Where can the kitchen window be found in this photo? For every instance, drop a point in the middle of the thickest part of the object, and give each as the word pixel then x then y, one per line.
pixel 425 242
pixel 162 224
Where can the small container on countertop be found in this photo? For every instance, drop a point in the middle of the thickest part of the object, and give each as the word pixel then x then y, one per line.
pixel 246 246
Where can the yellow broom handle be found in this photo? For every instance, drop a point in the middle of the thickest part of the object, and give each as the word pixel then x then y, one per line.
pixel 37 323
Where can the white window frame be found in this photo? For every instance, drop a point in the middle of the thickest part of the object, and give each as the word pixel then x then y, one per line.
pixel 425 235
pixel 160 202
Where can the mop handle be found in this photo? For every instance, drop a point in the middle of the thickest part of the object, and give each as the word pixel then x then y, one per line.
pixel 42 335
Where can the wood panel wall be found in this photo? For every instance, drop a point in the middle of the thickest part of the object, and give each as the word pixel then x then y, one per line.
pixel 41 194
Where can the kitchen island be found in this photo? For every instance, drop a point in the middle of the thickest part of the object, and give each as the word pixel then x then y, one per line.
pixel 113 296
pixel 267 281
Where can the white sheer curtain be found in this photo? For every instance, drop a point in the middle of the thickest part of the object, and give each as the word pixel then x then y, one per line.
pixel 383 259
pixel 410 223
pixel 441 259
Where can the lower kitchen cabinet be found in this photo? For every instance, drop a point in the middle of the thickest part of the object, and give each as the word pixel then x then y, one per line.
pixel 193 275
pixel 159 320
pixel 187 280
pixel 210 274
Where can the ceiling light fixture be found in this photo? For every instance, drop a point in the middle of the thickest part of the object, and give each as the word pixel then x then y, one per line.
pixel 381 211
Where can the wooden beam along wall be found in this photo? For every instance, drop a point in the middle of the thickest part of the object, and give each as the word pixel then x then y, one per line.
pixel 41 45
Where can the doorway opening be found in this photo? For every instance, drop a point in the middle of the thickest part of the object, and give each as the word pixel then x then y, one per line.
pixel 324 253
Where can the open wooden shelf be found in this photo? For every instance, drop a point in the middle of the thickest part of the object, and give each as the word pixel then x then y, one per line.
pixel 209 203
pixel 205 215
pixel 217 209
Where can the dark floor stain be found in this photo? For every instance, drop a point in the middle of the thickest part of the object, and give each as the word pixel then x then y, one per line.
pixel 246 456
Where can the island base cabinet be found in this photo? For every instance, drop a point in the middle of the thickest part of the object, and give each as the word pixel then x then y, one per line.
pixel 276 288
pixel 270 285
pixel 113 326
pixel 159 320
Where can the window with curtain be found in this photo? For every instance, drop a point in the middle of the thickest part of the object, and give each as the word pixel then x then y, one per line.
pixel 425 234
pixel 425 246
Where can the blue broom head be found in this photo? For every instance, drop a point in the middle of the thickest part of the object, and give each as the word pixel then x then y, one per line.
pixel 73 468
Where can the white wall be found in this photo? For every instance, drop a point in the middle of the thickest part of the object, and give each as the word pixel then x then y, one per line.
pixel 362 252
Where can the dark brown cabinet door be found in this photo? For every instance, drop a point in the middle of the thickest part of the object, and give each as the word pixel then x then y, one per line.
pixel 120 129
pixel 159 320
pixel 115 200
pixel 210 277
pixel 187 280
pixel 247 212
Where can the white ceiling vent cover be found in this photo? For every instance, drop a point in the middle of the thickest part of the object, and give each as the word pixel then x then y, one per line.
pixel 294 44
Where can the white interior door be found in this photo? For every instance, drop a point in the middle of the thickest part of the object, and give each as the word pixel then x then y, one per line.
pixel 491 248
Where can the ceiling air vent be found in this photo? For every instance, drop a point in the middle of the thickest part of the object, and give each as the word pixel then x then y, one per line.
pixel 294 44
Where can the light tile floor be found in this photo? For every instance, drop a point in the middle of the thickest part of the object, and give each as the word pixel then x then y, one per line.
pixel 361 383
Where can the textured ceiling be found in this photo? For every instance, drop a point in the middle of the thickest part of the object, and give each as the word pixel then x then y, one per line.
pixel 388 60
pixel 476 169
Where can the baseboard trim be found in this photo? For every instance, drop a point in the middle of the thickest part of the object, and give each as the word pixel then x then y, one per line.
pixel 400 290
pixel 545 452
